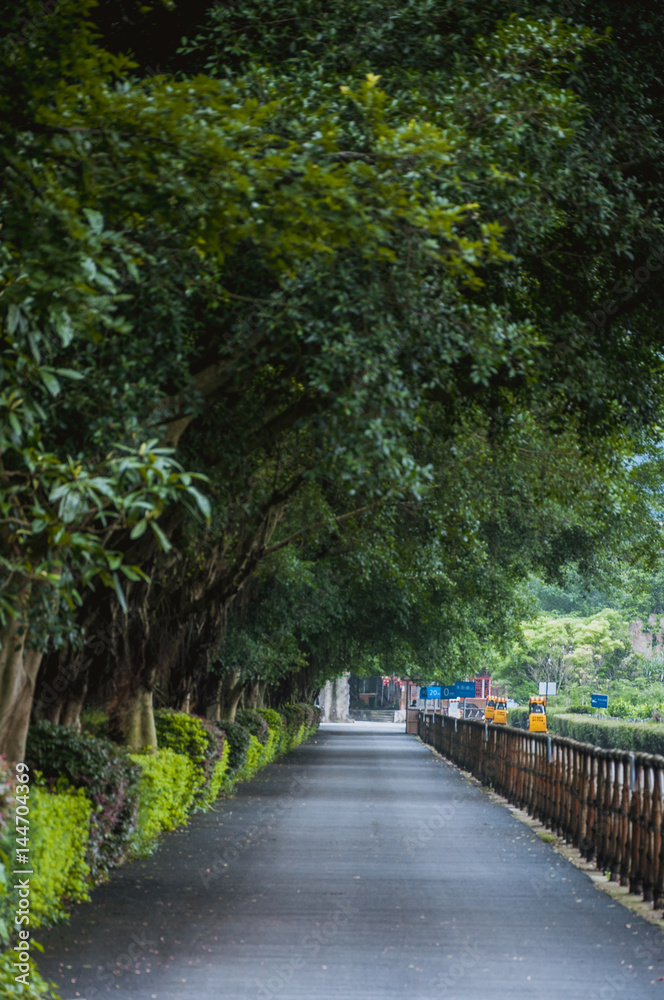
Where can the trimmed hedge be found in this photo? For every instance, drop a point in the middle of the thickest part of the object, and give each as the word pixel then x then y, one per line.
pixel 252 762
pixel 295 724
pixel 255 723
pixel 199 740
pixel 268 736
pixel 610 734
pixel 166 792
pixel 239 741
pixel 518 717
pixel 250 750
pixel 92 804
pixel 60 822
pixel 59 830
pixel 277 726
pixel 108 777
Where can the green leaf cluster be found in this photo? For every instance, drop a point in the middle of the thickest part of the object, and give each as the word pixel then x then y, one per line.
pixel 106 776
pixel 59 825
pixel 167 787
pixel 201 742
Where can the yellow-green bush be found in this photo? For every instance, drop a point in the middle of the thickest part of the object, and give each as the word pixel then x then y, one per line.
pixel 166 792
pixel 278 733
pixel 219 774
pixel 32 988
pixel 271 747
pixel 59 829
pixel 303 722
pixel 252 762
pixel 201 741
pixel 106 775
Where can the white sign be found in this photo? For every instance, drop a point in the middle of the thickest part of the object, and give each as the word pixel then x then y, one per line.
pixel 547 687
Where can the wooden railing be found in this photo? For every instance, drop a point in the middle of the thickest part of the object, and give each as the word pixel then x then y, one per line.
pixel 607 803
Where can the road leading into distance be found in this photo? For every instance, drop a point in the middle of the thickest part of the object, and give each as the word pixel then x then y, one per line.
pixel 359 867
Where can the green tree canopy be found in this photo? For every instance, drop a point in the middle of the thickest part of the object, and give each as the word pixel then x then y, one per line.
pixel 350 263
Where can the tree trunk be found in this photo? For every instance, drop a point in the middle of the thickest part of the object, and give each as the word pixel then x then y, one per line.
pixel 254 694
pixel 230 694
pixel 213 704
pixel 51 712
pixel 72 708
pixel 18 672
pixel 61 691
pixel 138 725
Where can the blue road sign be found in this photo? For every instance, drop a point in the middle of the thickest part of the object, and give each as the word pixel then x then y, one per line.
pixel 599 701
pixel 433 692
pixel 465 689
pixel 448 691
pixel 423 694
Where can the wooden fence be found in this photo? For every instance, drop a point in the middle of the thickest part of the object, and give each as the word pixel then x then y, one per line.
pixel 607 803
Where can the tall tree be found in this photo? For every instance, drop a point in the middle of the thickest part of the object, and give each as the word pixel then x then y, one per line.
pixel 296 263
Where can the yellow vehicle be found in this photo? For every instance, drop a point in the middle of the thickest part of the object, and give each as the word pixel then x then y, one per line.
pixel 500 713
pixel 489 709
pixel 537 714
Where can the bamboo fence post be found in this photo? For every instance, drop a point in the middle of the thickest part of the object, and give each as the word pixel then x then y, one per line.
pixel 635 878
pixel 613 860
pixel 649 865
pixel 658 791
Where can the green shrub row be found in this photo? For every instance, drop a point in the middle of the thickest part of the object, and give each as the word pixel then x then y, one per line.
pixel 202 743
pixel 610 734
pixel 167 787
pixel 518 717
pixel 106 774
pixel 92 805
pixel 259 736
pixel 56 839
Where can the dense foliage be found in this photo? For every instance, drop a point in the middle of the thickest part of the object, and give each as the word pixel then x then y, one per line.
pixel 324 327
pixel 107 777
pixel 239 741
pixel 84 786
pixel 611 734
pixel 251 720
pixel 202 742
pixel 167 787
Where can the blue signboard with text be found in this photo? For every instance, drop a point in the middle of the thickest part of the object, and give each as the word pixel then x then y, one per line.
pixel 599 700
pixel 465 689
pixel 462 689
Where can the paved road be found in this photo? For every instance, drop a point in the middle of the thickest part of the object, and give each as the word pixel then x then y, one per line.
pixel 360 867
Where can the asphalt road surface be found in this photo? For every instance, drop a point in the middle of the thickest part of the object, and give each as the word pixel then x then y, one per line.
pixel 359 867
